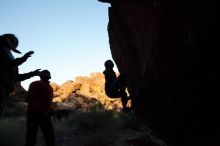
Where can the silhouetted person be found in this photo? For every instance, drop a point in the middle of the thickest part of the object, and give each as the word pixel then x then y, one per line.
pixel 9 75
pixel 115 87
pixel 39 109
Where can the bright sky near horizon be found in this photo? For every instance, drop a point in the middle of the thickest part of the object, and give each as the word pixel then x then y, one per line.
pixel 69 37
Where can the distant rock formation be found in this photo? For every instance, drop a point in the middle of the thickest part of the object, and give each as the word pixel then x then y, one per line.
pixel 169 50
pixel 84 93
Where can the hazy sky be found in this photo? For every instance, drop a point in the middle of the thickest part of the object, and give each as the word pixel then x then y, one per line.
pixel 69 37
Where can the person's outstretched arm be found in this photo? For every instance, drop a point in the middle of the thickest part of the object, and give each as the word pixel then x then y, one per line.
pixel 19 61
pixel 15 62
pixel 25 76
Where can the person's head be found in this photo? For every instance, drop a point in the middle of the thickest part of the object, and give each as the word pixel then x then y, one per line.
pixel 10 41
pixel 45 75
pixel 109 64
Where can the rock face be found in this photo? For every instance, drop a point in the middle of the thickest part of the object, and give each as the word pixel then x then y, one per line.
pixel 170 53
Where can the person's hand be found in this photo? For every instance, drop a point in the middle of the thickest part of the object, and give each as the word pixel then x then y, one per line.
pixel 37 72
pixel 26 55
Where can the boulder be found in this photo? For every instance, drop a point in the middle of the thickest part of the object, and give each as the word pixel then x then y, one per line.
pixel 55 86
pixel 169 50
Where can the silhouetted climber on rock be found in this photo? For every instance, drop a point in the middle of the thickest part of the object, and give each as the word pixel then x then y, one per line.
pixel 115 87
pixel 9 75
pixel 39 109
